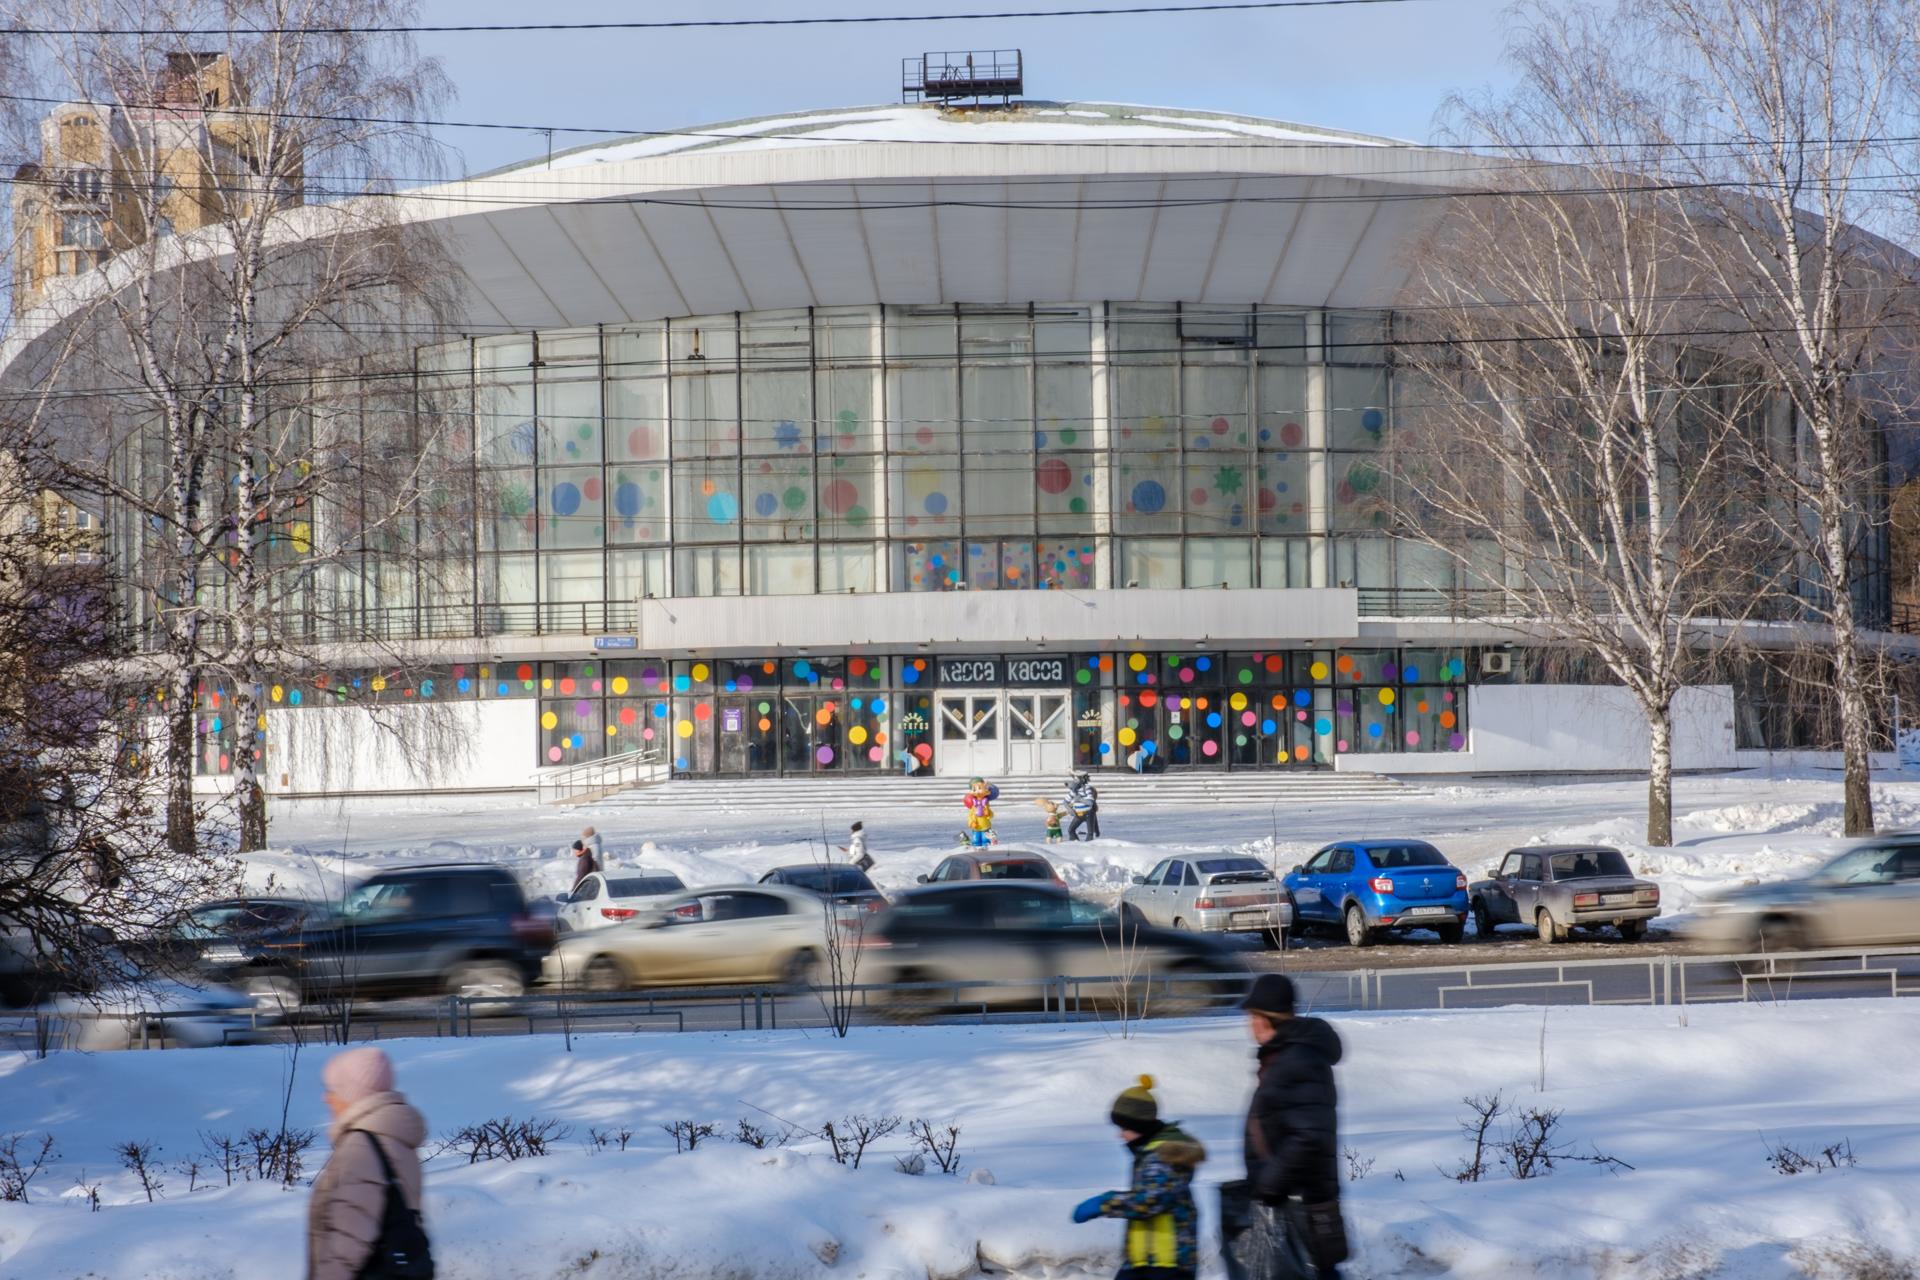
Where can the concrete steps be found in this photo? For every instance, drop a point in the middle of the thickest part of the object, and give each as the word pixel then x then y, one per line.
pixel 1119 793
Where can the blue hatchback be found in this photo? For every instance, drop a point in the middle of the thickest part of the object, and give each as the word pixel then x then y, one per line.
pixel 1366 886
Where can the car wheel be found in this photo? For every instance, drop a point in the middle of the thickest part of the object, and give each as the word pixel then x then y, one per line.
pixel 485 978
pixel 604 974
pixel 1182 925
pixel 802 970
pixel 1632 930
pixel 1547 927
pixel 921 1002
pixel 273 994
pixel 1358 935
pixel 1483 925
pixel 1187 995
pixel 1451 934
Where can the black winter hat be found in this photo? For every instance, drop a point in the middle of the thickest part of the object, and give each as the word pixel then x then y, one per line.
pixel 1271 993
pixel 1136 1108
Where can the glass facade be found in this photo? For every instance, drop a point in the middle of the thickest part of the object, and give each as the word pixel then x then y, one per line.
pixel 861 449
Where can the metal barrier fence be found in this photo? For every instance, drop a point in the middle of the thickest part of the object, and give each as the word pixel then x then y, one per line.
pixel 1651 980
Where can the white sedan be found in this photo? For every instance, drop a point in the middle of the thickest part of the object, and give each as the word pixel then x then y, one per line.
pixel 725 934
pixel 600 899
pixel 153 1012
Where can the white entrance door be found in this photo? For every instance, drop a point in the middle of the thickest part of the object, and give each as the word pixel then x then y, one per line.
pixel 971 742
pixel 1039 733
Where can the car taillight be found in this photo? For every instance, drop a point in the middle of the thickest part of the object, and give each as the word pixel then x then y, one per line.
pixel 1586 899
pixel 689 912
pixel 619 913
pixel 1062 883
pixel 1460 881
pixel 1204 904
pixel 872 904
pixel 1380 884
pixel 1646 895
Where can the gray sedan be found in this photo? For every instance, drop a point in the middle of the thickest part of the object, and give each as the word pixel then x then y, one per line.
pixel 1868 896
pixel 1554 888
pixel 1211 893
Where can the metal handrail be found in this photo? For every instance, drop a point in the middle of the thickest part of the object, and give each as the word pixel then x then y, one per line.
pixel 624 769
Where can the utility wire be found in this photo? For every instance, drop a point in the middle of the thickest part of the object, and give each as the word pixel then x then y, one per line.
pixel 681 24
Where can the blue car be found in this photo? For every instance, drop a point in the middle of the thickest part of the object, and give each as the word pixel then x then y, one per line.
pixel 1366 886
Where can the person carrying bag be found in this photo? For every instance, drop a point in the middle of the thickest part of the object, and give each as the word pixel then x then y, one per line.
pixel 1283 1221
pixel 363 1222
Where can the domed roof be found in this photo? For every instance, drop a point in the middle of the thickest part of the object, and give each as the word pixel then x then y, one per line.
pixel 1070 123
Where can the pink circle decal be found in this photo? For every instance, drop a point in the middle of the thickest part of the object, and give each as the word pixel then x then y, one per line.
pixel 1341 745
pixel 874 754
pixel 1209 747
pixel 839 496
pixel 553 753
pixel 1413 738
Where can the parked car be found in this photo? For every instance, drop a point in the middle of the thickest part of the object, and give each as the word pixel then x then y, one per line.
pixel 154 1012
pixel 420 930
pixel 1024 932
pixel 1554 888
pixel 1868 896
pixel 1366 886
pixel 1211 893
pixel 1001 864
pixel 600 899
pixel 855 900
pixel 705 937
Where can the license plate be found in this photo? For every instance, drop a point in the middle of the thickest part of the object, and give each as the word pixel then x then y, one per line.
pixel 1616 900
pixel 1249 917
pixel 1427 911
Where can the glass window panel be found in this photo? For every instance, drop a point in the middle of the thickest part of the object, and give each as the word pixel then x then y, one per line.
pixel 691 744
pixel 1286 562
pixel 1150 562
pixel 706 502
pixel 1356 408
pixel 845 385
pixel 777 410
pixel 572 507
pixel 846 567
pixel 507 580
pixel 708 341
pixel 638 498
pixel 923 402
pixel 1356 337
pixel 640 344
pixel 983 565
pixel 635 575
pixel 1065 408
pixel 1138 335
pixel 999 492
pixel 577 347
pixel 847 489
pixel 865 719
pixel 1216 562
pixel 1147 491
pixel 1365 563
pixel 780 570
pixel 914 728
pixel 1063 334
pixel 508 499
pixel 1065 563
pixel 999 413
pixel 816 672
pixel 779 500
pixel 706 571
pixel 1017 570
pixel 1065 492
pixel 706 415
pixel 503 418
pixel 571 730
pixel 631 725
pixel 932 565
pixel 1281 337
pixel 1360 498
pixel 575 576
pixel 636 419
pixel 925 496
pixel 1281 489
pixel 1367 720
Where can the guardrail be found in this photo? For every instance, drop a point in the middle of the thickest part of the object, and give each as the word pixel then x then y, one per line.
pixel 1664 979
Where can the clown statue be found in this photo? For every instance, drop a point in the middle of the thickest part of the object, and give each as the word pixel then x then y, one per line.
pixel 979 801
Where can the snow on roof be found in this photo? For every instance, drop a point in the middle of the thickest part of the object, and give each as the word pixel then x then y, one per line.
pixel 1026 122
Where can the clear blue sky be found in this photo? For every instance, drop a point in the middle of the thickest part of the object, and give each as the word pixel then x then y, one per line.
pixel 1372 68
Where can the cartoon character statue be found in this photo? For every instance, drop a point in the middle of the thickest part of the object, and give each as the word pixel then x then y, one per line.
pixel 979 802
pixel 1056 814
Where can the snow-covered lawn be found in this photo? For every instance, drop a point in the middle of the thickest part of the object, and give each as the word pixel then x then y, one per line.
pixel 1690 1104
pixel 1729 829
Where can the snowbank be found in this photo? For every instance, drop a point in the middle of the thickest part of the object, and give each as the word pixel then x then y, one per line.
pixel 1690 1105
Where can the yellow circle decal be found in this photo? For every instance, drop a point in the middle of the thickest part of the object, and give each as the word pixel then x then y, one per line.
pixel 684 728
pixel 1138 662
pixel 699 671
pixel 548 720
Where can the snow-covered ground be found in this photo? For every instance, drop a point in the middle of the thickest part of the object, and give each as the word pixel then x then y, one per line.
pixel 1729 829
pixel 1692 1104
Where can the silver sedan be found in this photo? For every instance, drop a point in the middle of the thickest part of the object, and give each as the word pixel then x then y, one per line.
pixel 1211 893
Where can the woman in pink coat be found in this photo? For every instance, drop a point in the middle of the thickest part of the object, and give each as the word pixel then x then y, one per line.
pixel 348 1208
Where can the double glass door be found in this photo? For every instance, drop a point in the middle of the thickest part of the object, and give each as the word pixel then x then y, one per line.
pixel 997 734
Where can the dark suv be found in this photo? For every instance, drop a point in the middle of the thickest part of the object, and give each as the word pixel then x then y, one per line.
pixel 412 931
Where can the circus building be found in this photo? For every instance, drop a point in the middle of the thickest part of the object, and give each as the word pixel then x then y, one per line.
pixel 913 440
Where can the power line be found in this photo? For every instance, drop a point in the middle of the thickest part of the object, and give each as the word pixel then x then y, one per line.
pixel 681 24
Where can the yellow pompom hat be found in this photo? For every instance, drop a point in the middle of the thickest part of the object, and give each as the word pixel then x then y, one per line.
pixel 1136 1108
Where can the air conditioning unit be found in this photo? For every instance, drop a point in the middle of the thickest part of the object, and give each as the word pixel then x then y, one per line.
pixel 1496 662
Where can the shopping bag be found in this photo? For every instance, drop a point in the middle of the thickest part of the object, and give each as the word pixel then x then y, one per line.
pixel 1260 1242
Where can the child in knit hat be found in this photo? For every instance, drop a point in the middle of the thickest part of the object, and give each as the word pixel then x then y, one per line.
pixel 1162 1219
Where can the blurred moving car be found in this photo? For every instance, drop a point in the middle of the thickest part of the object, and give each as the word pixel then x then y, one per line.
pixel 221 941
pixel 1367 886
pixel 1024 933
pixel 854 897
pixel 153 1012
pixel 1553 888
pixel 705 937
pixel 432 929
pixel 1868 896
pixel 1002 864
pixel 600 899
pixel 1212 893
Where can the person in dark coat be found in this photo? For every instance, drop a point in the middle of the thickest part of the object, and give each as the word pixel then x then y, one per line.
pixel 1292 1141
pixel 582 862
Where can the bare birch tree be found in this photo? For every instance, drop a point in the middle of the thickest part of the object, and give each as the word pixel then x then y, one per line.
pixel 1798 117
pixel 1560 435
pixel 243 397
